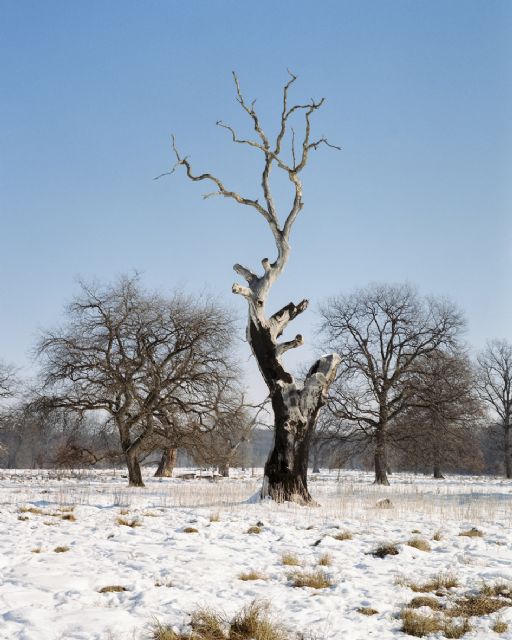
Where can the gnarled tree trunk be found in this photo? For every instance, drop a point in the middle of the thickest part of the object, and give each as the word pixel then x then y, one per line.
pixel 295 404
pixel 380 457
pixel 167 463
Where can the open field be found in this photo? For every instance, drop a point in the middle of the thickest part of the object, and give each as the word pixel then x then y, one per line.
pixel 177 545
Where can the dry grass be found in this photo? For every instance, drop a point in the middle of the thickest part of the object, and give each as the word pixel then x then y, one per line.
pixel 124 522
pixel 61 549
pixel 472 533
pixel 252 575
pixel 254 529
pixel 159 583
pixel 502 589
pixel 325 560
pixel 425 601
pixel 23 518
pixel 420 624
pixel 499 626
pixel 437 536
pixel 439 582
pixel 34 510
pixel 367 611
pixel 479 605
pixel 36 550
pixel 251 623
pixel 343 535
pixel 419 543
pixel 190 530
pixel 314 579
pixel 124 511
pixel 388 549
pixel 290 559
pixel 214 517
pixel 112 588
pixel 67 516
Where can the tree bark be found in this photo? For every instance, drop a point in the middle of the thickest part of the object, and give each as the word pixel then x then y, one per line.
pixel 437 471
pixel 134 472
pixel 224 470
pixel 381 464
pixel 167 463
pixel 508 450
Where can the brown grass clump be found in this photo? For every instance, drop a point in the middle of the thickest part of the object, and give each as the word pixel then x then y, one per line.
pixel 367 611
pixel 325 560
pixel 214 517
pixel 499 626
pixel 68 516
pixel 479 605
pixel 343 535
pixel 437 536
pixel 190 530
pixel 124 511
pixel 419 543
pixel 61 549
pixel 67 509
pixel 36 550
pixel 165 632
pixel 472 533
pixel 419 625
pixel 251 575
pixel 254 623
pixel 124 522
pixel 425 601
pixel 314 579
pixel 497 589
pixel 34 510
pixel 208 624
pixel 23 518
pixel 439 582
pixel 254 529
pixel 112 588
pixel 388 549
pixel 290 559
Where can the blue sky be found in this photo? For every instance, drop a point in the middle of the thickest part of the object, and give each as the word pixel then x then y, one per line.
pixel 418 94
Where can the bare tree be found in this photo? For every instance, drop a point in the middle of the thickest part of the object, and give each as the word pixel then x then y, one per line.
pixel 135 356
pixel 495 388
pixel 383 333
pixel 295 403
pixel 440 427
pixel 8 380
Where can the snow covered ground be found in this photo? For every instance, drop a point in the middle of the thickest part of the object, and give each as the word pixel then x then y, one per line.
pixel 167 572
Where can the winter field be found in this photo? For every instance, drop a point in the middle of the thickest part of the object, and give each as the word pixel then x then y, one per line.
pixel 178 545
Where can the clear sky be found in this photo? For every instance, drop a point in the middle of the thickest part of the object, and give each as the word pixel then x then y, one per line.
pixel 418 94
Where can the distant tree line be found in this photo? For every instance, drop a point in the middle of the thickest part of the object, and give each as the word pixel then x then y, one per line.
pixel 132 376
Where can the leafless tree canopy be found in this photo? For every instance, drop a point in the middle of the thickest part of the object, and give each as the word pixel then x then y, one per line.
pixel 145 360
pixel 295 404
pixel 495 389
pixel 383 334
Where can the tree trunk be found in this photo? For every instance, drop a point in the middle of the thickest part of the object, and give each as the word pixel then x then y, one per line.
pixel 437 471
pixel 508 450
pixel 134 472
pixel 167 463
pixel 381 464
pixel 224 470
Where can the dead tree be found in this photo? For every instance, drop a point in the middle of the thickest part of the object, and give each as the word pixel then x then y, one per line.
pixel 495 389
pixel 295 404
pixel 383 333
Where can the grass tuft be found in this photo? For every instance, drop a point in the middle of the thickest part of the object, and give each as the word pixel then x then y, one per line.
pixel 499 626
pixel 190 530
pixel 388 549
pixel 425 601
pixel 313 579
pixel 420 624
pixel 254 530
pixel 251 575
pixel 36 550
pixel 214 517
pixel 419 543
pixel 472 533
pixel 325 560
pixel 367 611
pixel 437 536
pixel 479 605
pixel 112 588
pixel 290 559
pixel 34 510
pixel 343 535
pixel 254 623
pixel 124 522
pixel 439 582
pixel 61 549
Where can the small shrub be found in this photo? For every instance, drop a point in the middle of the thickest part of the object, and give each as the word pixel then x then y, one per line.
pixel 325 560
pixel 112 588
pixel 190 530
pixel 425 601
pixel 254 530
pixel 290 559
pixel 388 549
pixel 251 575
pixel 314 579
pixel 472 533
pixel 499 626
pixel 124 522
pixel 419 543
pixel 343 535
pixel 367 611
pixel 61 549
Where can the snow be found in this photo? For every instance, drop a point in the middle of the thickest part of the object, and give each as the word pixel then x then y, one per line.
pixel 50 596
